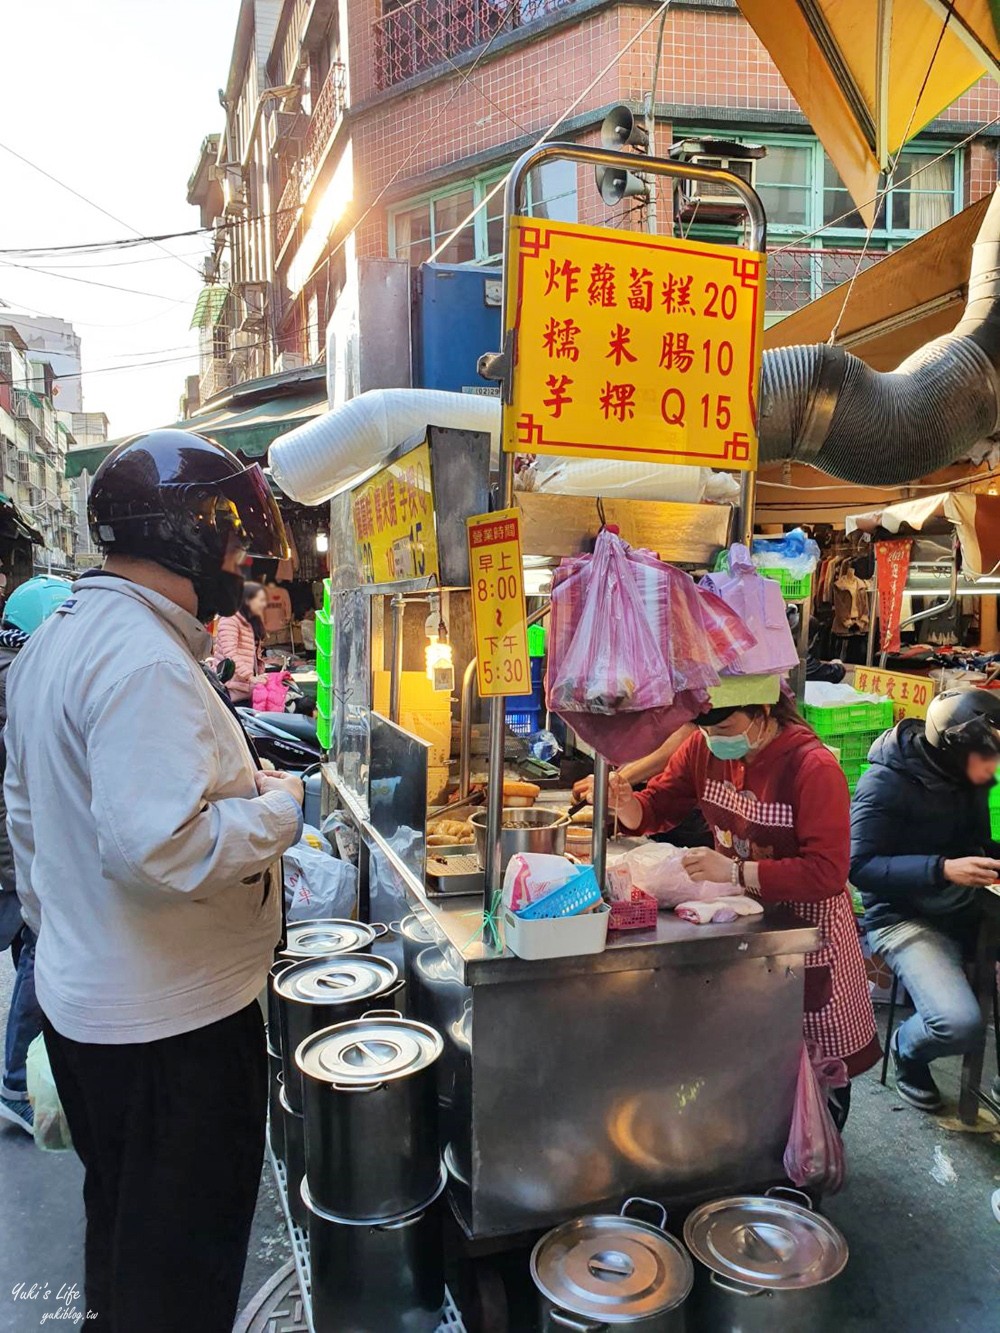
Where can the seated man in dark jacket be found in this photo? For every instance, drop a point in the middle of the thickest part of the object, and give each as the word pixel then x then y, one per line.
pixel 920 853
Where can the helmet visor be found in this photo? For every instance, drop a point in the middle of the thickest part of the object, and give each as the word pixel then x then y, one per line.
pixel 255 515
pixel 975 734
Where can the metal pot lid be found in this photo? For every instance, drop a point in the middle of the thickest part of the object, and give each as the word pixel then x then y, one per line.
pixel 765 1242
pixel 369 1051
pixel 614 1269
pixel 416 930
pixel 344 979
pixel 321 939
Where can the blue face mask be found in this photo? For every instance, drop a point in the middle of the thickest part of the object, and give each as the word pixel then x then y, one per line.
pixel 728 747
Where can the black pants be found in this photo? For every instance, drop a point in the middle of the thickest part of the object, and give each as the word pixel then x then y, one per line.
pixel 171 1134
pixel 839 1102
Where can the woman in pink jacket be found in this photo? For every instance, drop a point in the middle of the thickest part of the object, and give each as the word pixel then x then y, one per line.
pixel 240 638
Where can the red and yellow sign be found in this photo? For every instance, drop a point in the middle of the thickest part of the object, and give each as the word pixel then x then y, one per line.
pixel 498 611
pixel 394 521
pixel 910 694
pixel 630 346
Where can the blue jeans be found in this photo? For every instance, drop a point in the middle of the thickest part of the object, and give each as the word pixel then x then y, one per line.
pixel 929 964
pixel 24 1020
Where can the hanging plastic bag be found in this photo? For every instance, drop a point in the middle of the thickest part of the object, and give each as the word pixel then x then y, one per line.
pixel 51 1126
pixel 815 1151
pixel 317 885
pixel 609 660
pixel 758 603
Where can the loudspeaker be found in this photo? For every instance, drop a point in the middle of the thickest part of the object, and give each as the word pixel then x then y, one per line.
pixel 616 184
pixel 620 129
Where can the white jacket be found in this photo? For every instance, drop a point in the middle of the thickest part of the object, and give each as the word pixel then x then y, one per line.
pixel 144 857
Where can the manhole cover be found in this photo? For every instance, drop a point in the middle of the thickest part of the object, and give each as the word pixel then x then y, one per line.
pixel 277 1307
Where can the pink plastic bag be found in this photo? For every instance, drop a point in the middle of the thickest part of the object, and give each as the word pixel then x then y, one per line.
pixel 815 1151
pixel 608 660
pixel 656 868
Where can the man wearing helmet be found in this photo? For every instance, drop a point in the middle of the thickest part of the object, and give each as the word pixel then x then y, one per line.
pixel 146 844
pixel 920 853
pixel 24 611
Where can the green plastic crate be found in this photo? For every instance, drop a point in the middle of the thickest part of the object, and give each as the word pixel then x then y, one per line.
pixel 848 719
pixel 536 640
pixel 324 634
pixel 792 589
pixel 324 717
pixel 324 670
pixel 995 813
pixel 853 769
pixel 327 599
pixel 853 745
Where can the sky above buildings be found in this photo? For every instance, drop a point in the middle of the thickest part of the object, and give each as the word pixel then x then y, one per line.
pixel 113 98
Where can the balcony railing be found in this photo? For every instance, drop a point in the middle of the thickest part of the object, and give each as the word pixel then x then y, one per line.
pixel 798 275
pixel 425 33
pixel 330 106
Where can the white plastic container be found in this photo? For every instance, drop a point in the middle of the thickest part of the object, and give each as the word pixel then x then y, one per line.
pixel 557 937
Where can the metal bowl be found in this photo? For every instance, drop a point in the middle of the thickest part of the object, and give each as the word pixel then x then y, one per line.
pixel 539 830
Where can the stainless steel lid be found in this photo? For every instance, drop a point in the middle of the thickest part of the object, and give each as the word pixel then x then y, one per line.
pixel 344 979
pixel 369 1051
pixel 417 931
pixel 765 1242
pixel 320 939
pixel 610 1268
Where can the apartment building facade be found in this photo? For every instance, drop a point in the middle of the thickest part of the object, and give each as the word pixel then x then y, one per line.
pixel 34 441
pixel 366 129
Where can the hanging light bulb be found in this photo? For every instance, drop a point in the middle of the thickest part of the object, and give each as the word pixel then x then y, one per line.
pixel 322 543
pixel 438 658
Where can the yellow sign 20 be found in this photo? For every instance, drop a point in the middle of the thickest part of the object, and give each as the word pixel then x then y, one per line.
pixel 394 521
pixel 630 346
pixel 910 695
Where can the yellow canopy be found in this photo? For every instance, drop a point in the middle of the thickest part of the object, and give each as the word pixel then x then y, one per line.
pixel 870 74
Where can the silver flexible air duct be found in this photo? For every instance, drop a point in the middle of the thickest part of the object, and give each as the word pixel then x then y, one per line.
pixel 823 406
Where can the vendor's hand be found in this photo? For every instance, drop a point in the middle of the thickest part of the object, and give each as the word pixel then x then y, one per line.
pixel 972 872
pixel 705 866
pixel 584 789
pixel 286 782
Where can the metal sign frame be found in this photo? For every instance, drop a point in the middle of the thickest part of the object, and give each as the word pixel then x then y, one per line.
pixel 514 198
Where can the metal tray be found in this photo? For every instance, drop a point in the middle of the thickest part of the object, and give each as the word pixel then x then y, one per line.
pixel 453 870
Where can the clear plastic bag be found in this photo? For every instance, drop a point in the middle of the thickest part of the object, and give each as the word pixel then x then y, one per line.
pixel 656 868
pixel 317 884
pixel 814 1154
pixel 51 1127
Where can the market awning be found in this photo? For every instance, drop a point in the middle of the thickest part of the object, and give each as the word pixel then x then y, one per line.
pixel 976 518
pixel 14 524
pixel 246 419
pixel 914 294
pixel 871 74
pixel 209 307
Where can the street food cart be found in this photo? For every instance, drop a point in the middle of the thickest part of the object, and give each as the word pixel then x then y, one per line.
pixel 665 1064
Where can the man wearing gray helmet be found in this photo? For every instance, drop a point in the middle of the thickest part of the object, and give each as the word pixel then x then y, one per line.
pixel 920 854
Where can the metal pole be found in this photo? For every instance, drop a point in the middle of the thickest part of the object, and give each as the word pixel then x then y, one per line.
pixel 748 498
pixel 599 838
pixel 498 730
pixel 396 669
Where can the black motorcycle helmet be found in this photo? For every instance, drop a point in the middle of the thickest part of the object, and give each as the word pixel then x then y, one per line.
pixel 178 499
pixel 963 722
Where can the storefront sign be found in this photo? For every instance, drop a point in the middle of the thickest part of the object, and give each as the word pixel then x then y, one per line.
pixel 631 346
pixel 910 694
pixel 892 560
pixel 498 610
pixel 394 521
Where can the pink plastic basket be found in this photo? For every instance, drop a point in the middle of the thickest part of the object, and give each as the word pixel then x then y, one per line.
pixel 639 914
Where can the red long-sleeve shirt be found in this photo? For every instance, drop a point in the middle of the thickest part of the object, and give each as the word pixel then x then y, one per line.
pixel 789 811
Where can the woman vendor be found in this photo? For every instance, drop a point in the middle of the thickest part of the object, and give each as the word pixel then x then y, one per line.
pixel 777 803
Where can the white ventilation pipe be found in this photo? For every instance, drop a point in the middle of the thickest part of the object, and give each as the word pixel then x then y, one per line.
pixel 315 461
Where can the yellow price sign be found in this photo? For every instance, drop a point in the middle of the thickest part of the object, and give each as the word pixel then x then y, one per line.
pixel 910 695
pixel 630 346
pixel 499 616
pixel 393 512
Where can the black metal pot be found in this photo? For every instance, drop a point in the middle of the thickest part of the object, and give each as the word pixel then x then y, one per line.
pixel 318 992
pixel 371 1115
pixel 295 1160
pixel 275 1121
pixel 273 1013
pixel 369 1277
